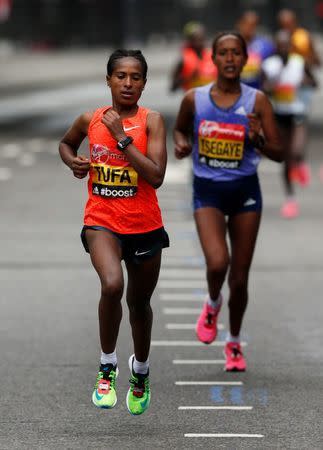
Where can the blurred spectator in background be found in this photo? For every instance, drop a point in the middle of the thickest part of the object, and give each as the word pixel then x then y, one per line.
pixel 5 10
pixel 195 67
pixel 301 39
pixel 319 12
pixel 259 48
pixel 283 75
pixel 302 44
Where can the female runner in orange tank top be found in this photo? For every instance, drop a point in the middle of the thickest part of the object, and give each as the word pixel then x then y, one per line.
pixel 122 218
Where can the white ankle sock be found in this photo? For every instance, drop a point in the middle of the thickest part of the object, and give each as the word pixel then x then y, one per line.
pixel 140 367
pixel 215 303
pixel 235 339
pixel 109 358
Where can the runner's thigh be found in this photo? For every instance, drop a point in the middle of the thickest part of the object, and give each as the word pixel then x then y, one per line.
pixel 142 278
pixel 105 252
pixel 211 228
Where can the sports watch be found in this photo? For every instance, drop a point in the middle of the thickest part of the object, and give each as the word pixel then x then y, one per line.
pixel 124 143
pixel 259 142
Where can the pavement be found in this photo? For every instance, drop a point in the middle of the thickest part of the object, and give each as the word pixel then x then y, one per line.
pixel 82 71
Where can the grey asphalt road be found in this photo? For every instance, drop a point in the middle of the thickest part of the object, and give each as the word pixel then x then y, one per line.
pixel 48 322
pixel 49 337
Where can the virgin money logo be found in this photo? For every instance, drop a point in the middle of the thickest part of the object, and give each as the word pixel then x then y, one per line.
pixel 208 129
pixel 217 129
pixel 100 154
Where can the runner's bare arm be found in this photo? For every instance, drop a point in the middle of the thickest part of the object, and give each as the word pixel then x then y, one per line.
pixel 183 126
pixel 176 80
pixel 313 58
pixel 70 143
pixel 272 147
pixel 151 166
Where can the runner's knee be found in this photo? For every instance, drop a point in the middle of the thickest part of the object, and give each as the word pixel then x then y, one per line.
pixel 139 310
pixel 217 267
pixel 111 289
pixel 238 283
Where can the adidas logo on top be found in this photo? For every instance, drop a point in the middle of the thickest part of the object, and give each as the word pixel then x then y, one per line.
pixel 241 111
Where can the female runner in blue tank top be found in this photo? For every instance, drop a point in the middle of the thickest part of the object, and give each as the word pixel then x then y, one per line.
pixel 221 124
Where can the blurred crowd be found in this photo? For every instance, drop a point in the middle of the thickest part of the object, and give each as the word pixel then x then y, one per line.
pixel 283 66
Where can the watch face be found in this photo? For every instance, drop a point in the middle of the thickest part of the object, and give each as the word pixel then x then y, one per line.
pixel 123 144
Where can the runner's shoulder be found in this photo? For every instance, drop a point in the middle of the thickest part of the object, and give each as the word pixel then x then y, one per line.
pixel 154 118
pixel 190 95
pixel 83 121
pixel 188 101
pixel 262 101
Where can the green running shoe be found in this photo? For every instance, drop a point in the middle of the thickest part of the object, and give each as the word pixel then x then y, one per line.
pixel 138 397
pixel 104 394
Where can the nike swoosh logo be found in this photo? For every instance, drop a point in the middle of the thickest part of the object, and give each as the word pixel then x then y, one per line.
pixel 141 253
pixel 144 403
pixel 131 128
pixel 98 396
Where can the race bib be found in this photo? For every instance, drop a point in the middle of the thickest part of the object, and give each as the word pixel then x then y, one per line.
pixel 221 145
pixel 284 93
pixel 114 181
pixel 251 70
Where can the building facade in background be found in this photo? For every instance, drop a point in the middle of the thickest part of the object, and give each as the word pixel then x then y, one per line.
pixel 61 23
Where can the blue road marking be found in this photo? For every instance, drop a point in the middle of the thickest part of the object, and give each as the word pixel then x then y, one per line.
pixel 217 394
pixel 239 395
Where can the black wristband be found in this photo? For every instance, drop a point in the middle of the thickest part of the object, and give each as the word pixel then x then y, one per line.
pixel 124 143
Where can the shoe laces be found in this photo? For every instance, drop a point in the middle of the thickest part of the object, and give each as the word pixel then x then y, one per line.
pixel 108 374
pixel 209 320
pixel 236 352
pixel 139 384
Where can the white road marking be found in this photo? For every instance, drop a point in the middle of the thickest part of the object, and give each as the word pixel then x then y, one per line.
pixel 181 311
pixel 185 261
pixel 53 149
pixel 186 251
pixel 187 326
pixel 216 408
pixel 181 297
pixel 10 151
pixel 178 173
pixel 223 435
pixel 189 344
pixel 267 166
pixel 189 299
pixel 180 284
pixel 208 383
pixel 5 173
pixel 175 274
pixel 26 159
pixel 198 361
pixel 37 145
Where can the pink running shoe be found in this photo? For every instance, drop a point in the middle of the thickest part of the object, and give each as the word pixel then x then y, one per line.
pixel 234 359
pixel 206 327
pixel 304 174
pixel 290 209
pixel 293 174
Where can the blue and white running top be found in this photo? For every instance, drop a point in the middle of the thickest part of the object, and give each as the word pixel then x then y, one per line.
pixel 221 148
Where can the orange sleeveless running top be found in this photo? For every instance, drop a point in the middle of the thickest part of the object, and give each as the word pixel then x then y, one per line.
pixel 119 199
pixel 206 71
